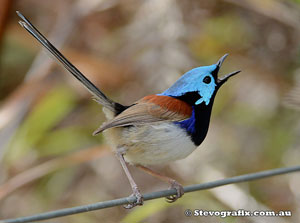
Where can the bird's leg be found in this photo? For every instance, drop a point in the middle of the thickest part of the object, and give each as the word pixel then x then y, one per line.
pixel 134 187
pixel 174 184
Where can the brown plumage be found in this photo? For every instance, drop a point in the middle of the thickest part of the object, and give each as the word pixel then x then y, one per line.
pixel 150 109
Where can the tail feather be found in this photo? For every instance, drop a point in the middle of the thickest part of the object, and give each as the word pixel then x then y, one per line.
pixel 100 97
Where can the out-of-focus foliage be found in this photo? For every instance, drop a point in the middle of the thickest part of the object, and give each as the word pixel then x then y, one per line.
pixel 129 49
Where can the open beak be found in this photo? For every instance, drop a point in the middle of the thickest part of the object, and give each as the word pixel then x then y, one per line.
pixel 222 80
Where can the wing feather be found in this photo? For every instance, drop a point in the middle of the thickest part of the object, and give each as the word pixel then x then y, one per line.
pixel 150 109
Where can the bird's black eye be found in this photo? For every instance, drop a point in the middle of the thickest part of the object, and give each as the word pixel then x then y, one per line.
pixel 207 80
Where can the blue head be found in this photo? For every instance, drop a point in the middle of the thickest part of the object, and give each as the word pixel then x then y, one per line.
pixel 201 80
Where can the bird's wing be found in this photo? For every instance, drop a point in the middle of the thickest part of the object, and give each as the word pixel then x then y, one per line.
pixel 150 109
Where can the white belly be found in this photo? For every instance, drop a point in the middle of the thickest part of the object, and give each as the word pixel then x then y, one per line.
pixel 152 144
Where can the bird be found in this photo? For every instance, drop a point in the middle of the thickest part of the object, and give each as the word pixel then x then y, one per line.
pixel 158 128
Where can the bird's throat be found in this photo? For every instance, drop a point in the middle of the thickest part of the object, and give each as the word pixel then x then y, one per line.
pixel 197 125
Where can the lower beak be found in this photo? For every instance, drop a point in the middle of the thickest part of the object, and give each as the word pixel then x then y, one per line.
pixel 222 80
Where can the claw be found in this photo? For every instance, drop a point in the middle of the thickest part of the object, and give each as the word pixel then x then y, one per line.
pixel 179 189
pixel 139 199
pixel 171 198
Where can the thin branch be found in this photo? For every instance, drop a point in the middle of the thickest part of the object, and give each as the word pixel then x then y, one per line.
pixel 49 166
pixel 150 196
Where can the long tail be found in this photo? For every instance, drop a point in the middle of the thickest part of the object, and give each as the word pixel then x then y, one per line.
pixel 99 96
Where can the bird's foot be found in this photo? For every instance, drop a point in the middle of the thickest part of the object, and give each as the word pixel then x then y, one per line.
pixel 179 189
pixel 138 196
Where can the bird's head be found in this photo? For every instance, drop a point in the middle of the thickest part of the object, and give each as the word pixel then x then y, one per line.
pixel 201 81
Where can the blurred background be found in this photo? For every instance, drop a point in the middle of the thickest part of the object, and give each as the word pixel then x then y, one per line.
pixel 130 48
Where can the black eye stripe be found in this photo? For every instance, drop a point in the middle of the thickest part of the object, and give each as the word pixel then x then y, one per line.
pixel 207 80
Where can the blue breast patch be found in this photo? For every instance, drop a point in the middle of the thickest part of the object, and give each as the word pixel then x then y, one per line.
pixel 188 124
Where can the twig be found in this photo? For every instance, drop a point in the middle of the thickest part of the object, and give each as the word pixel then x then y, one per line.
pixel 49 166
pixel 150 196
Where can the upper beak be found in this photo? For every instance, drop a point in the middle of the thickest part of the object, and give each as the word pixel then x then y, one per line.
pixel 223 79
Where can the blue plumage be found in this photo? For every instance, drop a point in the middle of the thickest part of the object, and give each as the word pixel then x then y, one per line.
pixel 188 124
pixel 198 88
pixel 192 81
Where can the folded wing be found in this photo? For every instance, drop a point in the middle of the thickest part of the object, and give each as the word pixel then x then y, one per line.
pixel 150 109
